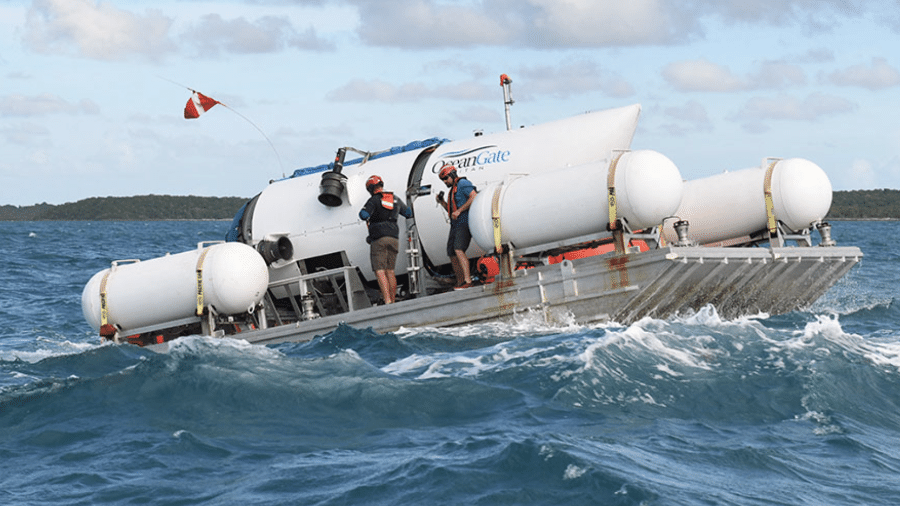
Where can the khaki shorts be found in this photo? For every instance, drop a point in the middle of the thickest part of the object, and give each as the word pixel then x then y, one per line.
pixel 384 253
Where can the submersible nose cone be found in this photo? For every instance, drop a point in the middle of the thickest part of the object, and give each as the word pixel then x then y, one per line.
pixel 331 188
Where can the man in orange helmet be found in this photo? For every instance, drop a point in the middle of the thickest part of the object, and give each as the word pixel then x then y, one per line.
pixel 462 193
pixel 381 212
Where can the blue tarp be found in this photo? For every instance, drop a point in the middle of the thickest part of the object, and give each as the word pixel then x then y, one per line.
pixel 235 230
pixel 393 151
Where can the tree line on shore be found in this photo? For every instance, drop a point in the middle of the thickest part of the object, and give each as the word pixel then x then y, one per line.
pixel 140 208
pixel 845 205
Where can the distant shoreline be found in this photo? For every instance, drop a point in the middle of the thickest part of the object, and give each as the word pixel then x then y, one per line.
pixel 862 219
pixel 139 208
pixel 854 205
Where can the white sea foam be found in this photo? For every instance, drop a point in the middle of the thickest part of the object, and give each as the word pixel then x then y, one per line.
pixel 572 471
pixel 58 349
pixel 526 323
pixel 884 354
pixel 191 345
pixel 439 366
pixel 828 328
pixel 657 338
pixel 824 424
pixel 472 363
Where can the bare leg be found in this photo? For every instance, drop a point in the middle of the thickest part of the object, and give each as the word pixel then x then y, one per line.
pixel 457 270
pixel 392 285
pixel 385 286
pixel 463 263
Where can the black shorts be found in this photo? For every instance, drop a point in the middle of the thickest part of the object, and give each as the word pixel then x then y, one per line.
pixel 459 238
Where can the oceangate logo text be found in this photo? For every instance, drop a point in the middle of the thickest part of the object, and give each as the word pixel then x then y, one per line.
pixel 472 159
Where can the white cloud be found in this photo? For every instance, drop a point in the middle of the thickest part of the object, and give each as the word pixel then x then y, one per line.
pixel 419 24
pixel 814 14
pixel 18 74
pixel 862 174
pixel 547 24
pixel 368 90
pixel 478 115
pixel 776 74
pixel 877 76
pixel 587 23
pixel 532 23
pixel 701 75
pixel 377 90
pixel 817 55
pixel 561 80
pixel 96 30
pixel 268 34
pixel 690 117
pixel 784 107
pixel 866 174
pixel 573 78
pixel 26 134
pixel 43 104
pixel 705 76
pixel 692 112
pixel 102 31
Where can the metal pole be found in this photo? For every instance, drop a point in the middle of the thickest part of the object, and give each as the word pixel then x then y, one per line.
pixel 505 83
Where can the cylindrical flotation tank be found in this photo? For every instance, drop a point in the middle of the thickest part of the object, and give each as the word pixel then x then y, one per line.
pixel 143 294
pixel 733 204
pixel 573 202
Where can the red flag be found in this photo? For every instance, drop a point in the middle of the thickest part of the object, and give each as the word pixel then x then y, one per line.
pixel 197 105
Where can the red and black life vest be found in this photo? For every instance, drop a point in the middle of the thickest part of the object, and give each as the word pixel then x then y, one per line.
pixel 383 219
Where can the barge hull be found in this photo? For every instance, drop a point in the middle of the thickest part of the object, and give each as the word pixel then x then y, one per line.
pixel 622 288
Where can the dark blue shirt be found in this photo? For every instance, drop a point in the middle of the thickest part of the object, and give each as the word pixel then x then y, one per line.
pixel 464 188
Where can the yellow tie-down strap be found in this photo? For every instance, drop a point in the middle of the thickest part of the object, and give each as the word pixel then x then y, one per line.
pixel 104 295
pixel 200 281
pixel 495 218
pixel 611 190
pixel 104 308
pixel 771 221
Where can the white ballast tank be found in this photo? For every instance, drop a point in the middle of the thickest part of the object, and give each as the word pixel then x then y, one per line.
pixel 733 204
pixel 233 277
pixel 573 202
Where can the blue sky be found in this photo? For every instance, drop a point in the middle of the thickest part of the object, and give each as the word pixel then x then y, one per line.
pixel 88 107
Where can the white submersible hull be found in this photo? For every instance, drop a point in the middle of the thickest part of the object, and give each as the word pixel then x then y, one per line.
pixel 568 224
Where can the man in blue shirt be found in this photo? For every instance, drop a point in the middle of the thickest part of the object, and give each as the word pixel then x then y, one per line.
pixel 462 193
pixel 381 212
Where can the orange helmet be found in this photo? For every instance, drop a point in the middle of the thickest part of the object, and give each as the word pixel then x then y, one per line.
pixel 447 169
pixel 373 182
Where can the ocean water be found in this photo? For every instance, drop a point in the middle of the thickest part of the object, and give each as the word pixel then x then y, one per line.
pixel 796 409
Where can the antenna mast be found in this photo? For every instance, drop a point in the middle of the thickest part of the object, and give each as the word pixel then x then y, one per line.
pixel 505 83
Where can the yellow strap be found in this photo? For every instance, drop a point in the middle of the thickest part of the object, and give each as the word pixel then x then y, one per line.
pixel 104 309
pixel 200 281
pixel 495 218
pixel 611 188
pixel 770 203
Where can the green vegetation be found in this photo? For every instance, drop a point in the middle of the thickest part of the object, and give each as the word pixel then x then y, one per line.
pixel 846 205
pixel 865 205
pixel 142 208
